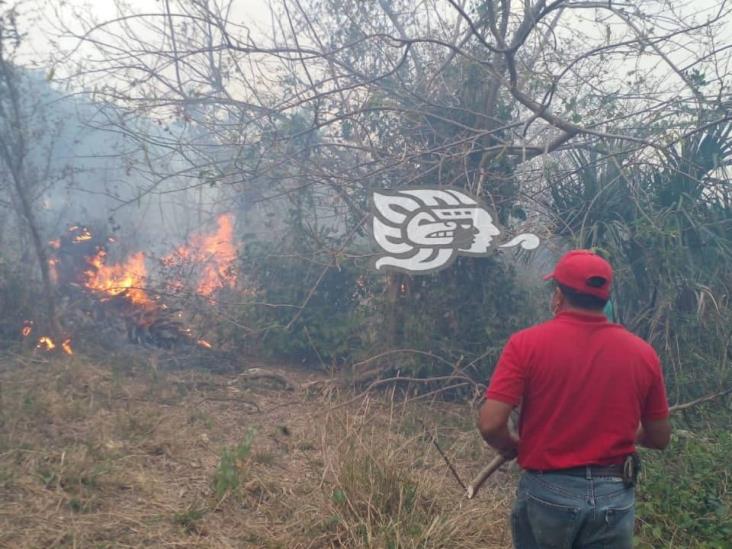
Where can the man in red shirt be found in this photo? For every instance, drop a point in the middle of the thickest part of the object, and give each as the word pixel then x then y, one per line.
pixel 589 391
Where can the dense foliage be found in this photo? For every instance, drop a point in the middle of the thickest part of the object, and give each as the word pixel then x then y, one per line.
pixel 312 311
pixel 684 494
pixel 665 225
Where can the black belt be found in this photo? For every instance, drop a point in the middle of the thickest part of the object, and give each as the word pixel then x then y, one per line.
pixel 592 471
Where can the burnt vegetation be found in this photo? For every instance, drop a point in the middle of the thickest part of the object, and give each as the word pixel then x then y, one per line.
pixel 184 195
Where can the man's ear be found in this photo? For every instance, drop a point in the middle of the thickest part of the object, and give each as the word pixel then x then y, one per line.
pixel 560 296
pixel 557 300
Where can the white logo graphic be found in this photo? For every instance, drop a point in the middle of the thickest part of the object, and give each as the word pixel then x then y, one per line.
pixel 422 230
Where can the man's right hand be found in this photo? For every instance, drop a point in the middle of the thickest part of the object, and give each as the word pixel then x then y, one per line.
pixel 493 426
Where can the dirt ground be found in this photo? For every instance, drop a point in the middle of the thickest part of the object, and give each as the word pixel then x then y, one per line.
pixel 117 453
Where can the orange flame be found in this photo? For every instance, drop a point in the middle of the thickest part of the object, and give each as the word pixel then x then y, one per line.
pixel 112 280
pixel 27 328
pixel 211 256
pixel 66 346
pixel 205 344
pixel 220 254
pixel 215 253
pixel 84 235
pixel 46 344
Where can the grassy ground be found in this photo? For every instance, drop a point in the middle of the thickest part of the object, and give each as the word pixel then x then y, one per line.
pixel 118 454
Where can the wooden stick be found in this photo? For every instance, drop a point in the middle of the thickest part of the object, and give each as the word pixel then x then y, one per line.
pixel 481 477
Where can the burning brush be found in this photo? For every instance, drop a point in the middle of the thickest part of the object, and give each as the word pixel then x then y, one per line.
pixel 210 259
pixel 80 263
pixel 45 343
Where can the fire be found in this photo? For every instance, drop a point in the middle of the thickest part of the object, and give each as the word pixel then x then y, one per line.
pixel 216 255
pixel 27 328
pixel 80 259
pixel 84 234
pixel 66 346
pixel 220 254
pixel 46 344
pixel 127 278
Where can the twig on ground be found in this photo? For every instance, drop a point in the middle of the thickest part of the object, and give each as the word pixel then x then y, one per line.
pixel 253 374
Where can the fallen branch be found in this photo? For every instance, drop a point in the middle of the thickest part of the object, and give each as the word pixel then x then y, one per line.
pixel 254 374
pixel 462 381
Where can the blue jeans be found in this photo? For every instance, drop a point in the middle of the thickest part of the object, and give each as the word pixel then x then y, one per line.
pixel 559 511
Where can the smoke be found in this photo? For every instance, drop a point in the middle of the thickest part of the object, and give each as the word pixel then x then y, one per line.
pixel 116 171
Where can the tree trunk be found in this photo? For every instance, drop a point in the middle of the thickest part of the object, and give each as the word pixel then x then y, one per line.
pixel 13 153
pixel 39 247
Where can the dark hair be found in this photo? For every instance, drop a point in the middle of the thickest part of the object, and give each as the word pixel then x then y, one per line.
pixel 582 301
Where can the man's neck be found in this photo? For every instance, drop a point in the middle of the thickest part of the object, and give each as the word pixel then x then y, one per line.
pixel 567 308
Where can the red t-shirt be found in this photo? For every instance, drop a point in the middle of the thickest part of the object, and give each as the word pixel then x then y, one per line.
pixel 584 384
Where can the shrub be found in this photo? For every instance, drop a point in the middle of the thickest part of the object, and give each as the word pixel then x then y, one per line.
pixel 684 498
pixel 328 329
pixel 457 316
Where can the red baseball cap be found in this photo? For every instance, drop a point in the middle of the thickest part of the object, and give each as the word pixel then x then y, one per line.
pixel 585 272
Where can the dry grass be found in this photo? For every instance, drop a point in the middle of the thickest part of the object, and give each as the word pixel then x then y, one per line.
pixel 121 455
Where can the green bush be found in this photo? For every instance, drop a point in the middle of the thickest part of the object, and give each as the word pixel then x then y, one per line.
pixel 328 329
pixel 452 317
pixel 463 315
pixel 684 499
